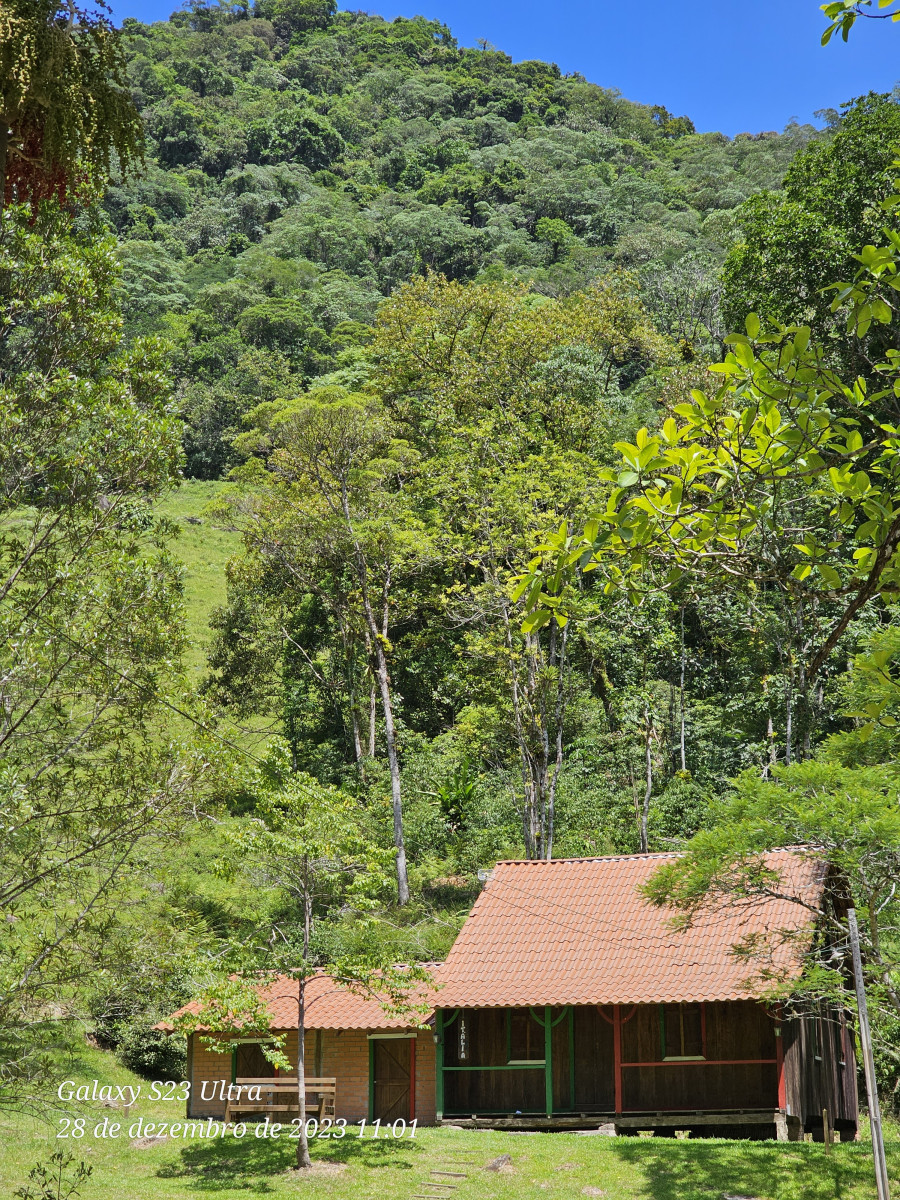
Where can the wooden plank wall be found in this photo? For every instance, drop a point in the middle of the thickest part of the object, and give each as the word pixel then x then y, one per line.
pixel 467 1092
pixel 820 1068
pixel 595 1084
pixel 735 1033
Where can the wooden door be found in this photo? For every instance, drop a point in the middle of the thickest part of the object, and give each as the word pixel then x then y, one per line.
pixel 391 1067
pixel 252 1063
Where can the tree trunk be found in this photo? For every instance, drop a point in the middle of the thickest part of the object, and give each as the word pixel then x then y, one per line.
pixel 681 695
pixel 390 734
pixel 805 707
pixel 4 149
pixel 304 1162
pixel 378 640
pixel 648 791
pixel 529 800
pixel 353 705
pixel 558 760
pixel 540 725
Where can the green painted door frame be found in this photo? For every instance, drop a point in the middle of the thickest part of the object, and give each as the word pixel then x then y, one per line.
pixel 546 1020
pixel 548 1060
pixel 439 1055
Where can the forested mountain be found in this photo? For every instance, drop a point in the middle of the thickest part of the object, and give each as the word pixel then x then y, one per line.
pixel 302 163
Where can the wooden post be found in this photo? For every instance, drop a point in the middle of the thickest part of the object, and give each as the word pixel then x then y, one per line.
pixel 617 1053
pixel 371 1079
pixel 865 1038
pixel 826 1131
pixel 412 1077
pixel 779 1060
pixel 548 1059
pixel 572 1057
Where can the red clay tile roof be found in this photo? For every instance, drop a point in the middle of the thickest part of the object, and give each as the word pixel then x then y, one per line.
pixel 328 1006
pixel 576 931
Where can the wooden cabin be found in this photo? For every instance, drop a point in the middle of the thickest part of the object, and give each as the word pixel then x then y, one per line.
pixel 567 1000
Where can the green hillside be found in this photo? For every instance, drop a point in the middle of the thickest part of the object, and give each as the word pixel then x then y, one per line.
pixel 204 550
pixel 302 163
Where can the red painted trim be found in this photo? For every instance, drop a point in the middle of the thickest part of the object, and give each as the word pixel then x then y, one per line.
pixel 617 1054
pixel 704 1062
pixel 612 1020
pixel 412 1078
pixel 779 1058
pixel 689 1112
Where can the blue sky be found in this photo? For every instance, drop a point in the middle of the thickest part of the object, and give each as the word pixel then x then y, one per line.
pixel 732 65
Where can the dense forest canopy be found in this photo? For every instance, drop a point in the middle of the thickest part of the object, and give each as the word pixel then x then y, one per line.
pixel 414 313
pixel 304 163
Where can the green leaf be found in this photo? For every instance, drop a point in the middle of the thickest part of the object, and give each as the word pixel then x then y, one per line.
pixel 829 575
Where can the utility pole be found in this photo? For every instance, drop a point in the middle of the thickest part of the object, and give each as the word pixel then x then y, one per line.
pixel 865 1038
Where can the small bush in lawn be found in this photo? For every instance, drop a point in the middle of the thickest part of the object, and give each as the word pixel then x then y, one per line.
pixel 151 1053
pixel 55 1179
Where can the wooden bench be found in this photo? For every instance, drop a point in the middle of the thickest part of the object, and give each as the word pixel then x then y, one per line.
pixel 279 1095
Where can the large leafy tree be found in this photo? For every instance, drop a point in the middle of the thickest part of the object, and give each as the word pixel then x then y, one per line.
pixel 325 513
pixel 65 108
pixel 90 616
pixel 508 395
pixel 842 15
pixel 843 809
pixel 784 479
pixel 799 240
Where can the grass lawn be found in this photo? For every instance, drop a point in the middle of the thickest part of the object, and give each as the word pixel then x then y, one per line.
pixel 542 1165
pixel 205 551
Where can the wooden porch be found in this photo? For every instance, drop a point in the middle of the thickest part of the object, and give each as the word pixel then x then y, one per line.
pixel 694 1124
pixel 723 1066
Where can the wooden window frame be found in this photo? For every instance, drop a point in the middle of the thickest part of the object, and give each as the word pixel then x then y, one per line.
pixel 676 1058
pixel 521 1062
